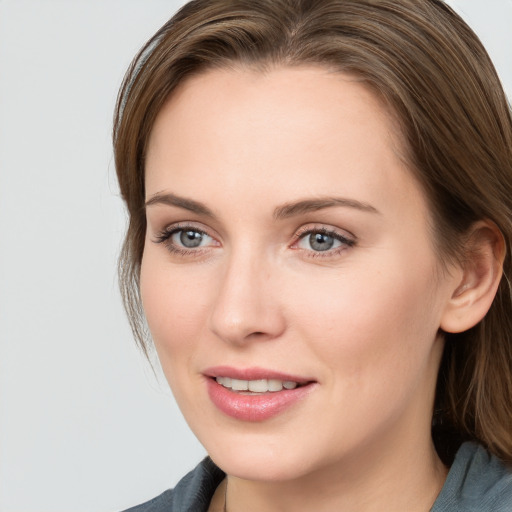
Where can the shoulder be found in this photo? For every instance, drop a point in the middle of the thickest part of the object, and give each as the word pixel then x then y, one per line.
pixel 192 493
pixel 476 482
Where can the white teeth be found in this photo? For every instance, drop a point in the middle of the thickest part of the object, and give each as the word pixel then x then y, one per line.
pixel 275 385
pixel 239 385
pixel 256 386
pixel 224 381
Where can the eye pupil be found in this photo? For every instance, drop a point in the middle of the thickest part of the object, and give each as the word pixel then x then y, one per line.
pixel 191 239
pixel 321 241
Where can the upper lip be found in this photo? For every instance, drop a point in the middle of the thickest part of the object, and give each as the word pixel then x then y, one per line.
pixel 254 373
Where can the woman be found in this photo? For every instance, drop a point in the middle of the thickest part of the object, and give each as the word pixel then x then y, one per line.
pixel 319 239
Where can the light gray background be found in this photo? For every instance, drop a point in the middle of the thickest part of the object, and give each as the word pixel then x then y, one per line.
pixel 84 424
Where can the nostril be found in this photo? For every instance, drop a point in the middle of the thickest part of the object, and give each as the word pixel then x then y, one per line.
pixel 257 335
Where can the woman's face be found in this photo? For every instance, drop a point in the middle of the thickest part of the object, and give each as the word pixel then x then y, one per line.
pixel 289 245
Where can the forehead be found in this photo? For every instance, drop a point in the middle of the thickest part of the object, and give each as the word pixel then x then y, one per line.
pixel 236 95
pixel 284 131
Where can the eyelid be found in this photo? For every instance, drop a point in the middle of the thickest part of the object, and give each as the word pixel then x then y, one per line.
pixel 172 228
pixel 345 237
pixel 165 235
pixel 338 233
pixel 324 228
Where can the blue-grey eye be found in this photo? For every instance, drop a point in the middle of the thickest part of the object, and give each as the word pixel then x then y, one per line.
pixel 190 238
pixel 319 241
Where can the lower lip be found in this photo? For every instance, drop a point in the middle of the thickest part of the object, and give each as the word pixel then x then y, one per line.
pixel 254 407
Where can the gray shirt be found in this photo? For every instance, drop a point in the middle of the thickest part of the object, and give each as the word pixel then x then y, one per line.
pixel 476 482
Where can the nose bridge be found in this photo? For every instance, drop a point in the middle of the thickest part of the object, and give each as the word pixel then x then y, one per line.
pixel 245 306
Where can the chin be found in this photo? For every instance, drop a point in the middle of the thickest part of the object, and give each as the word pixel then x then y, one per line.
pixel 262 469
pixel 259 458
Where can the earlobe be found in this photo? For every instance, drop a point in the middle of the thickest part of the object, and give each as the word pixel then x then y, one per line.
pixel 481 274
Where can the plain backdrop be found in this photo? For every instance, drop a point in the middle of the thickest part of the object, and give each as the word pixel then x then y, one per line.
pixel 85 426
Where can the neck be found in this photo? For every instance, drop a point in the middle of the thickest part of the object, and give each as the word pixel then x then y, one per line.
pixel 407 480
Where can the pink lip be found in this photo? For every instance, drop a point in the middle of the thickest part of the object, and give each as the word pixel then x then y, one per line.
pixel 252 374
pixel 254 407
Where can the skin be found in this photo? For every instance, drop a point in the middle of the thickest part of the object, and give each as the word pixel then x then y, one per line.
pixel 361 320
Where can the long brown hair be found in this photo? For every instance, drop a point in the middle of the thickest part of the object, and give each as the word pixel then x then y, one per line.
pixel 431 70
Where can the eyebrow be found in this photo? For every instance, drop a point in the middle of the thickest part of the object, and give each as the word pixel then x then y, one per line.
pixel 181 202
pixel 281 212
pixel 313 205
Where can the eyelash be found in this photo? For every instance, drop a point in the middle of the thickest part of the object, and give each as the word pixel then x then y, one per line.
pixel 164 237
pixel 303 233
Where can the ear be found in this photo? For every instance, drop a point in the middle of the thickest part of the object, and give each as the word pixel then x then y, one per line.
pixel 482 268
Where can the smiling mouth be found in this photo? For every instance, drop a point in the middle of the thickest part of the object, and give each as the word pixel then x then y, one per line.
pixel 258 386
pixel 255 394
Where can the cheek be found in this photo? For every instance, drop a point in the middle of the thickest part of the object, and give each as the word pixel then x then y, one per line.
pixel 175 309
pixel 374 339
pixel 369 320
pixel 173 302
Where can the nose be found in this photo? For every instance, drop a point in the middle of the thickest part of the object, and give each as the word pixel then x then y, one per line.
pixel 247 306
